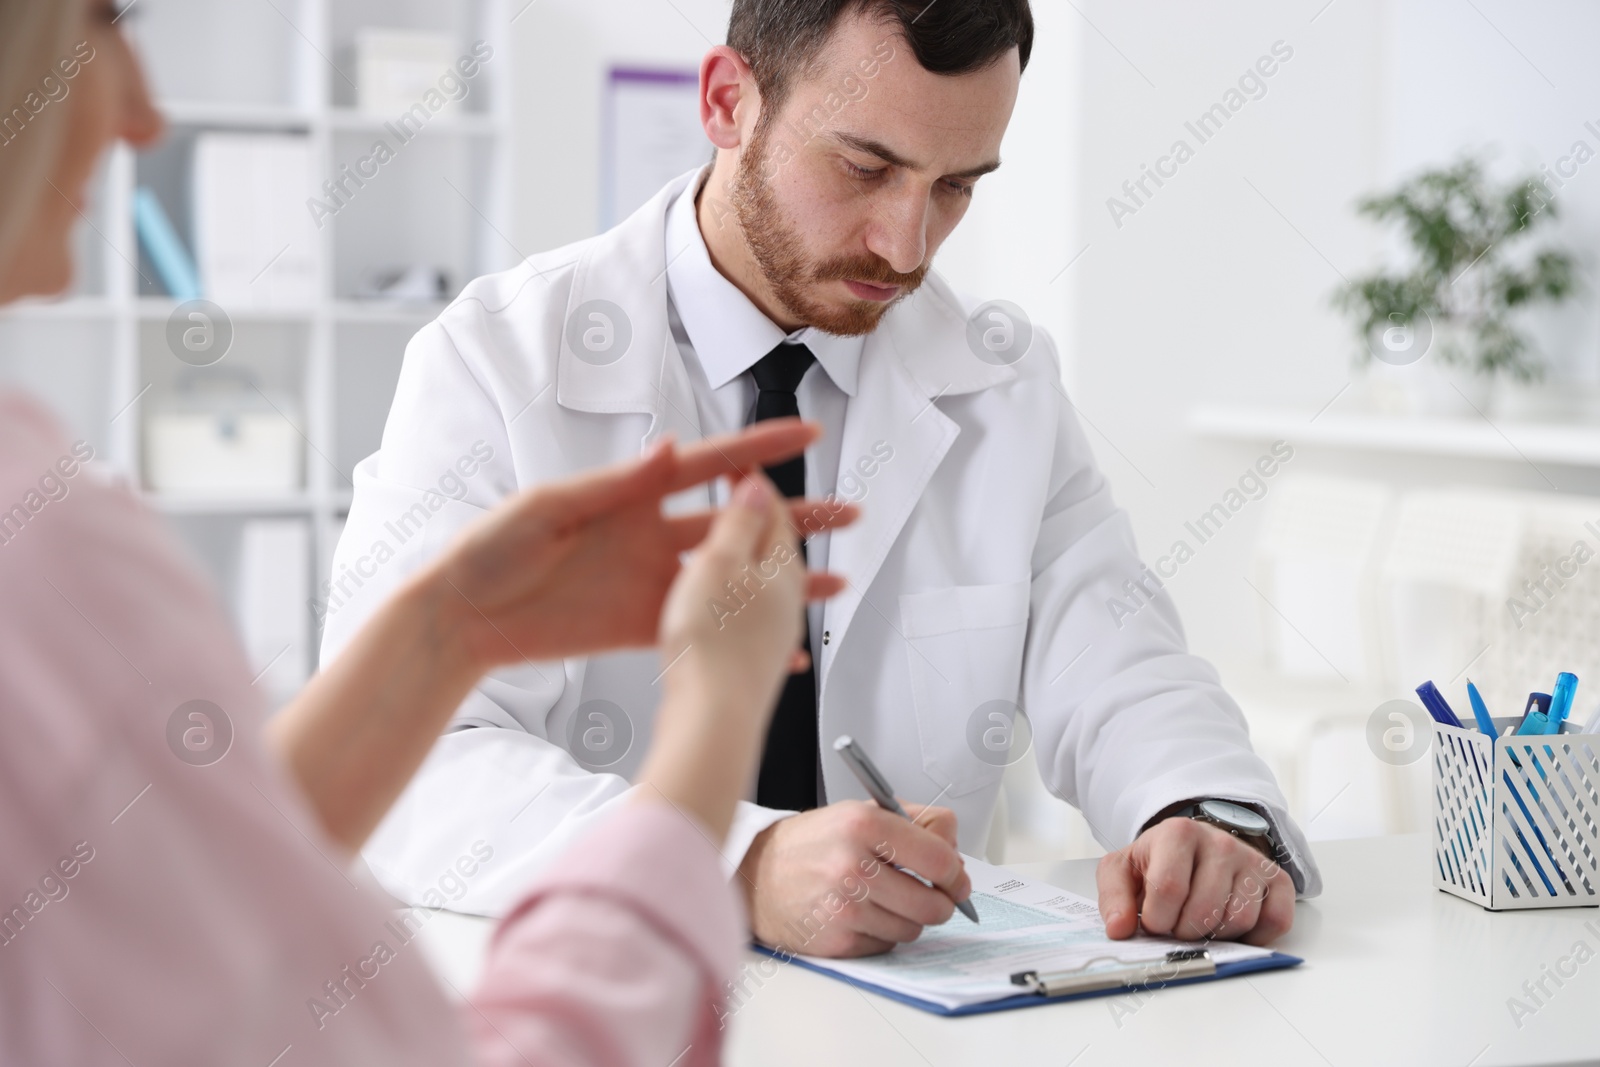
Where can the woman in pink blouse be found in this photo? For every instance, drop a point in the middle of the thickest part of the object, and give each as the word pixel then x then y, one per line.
pixel 177 884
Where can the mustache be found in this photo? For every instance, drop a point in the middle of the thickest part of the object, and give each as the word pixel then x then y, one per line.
pixel 870 269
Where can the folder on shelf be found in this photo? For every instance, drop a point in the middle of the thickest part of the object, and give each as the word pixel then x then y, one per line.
pixel 164 247
pixel 1034 944
pixel 274 587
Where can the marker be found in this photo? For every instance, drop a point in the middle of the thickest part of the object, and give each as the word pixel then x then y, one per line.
pixel 1480 711
pixel 1537 716
pixel 867 772
pixel 1561 700
pixel 1437 706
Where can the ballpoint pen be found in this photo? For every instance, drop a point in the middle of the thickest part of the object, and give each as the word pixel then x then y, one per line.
pixel 1480 711
pixel 872 779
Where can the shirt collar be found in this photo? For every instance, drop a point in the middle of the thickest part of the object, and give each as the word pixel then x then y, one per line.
pixel 728 332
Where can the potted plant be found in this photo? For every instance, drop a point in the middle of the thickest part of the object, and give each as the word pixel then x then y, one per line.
pixel 1454 304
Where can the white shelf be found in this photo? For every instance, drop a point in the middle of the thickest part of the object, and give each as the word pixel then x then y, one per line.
pixel 337 357
pixel 248 116
pixel 258 504
pixel 76 308
pixel 466 124
pixel 1572 444
pixel 160 308
pixel 387 312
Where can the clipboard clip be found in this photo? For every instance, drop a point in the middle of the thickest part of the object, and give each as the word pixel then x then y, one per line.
pixel 1182 963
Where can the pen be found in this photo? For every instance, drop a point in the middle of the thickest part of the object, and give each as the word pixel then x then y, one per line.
pixel 867 772
pixel 1437 706
pixel 1480 711
pixel 1561 700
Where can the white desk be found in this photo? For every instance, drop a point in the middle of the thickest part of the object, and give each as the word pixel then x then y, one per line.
pixel 1396 972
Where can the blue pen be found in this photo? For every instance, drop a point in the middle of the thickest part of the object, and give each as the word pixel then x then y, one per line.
pixel 1561 701
pixel 1537 716
pixel 1480 711
pixel 1437 706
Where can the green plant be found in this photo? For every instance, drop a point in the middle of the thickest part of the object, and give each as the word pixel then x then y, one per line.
pixel 1460 230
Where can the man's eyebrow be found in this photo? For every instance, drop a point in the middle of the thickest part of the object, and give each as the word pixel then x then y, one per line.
pixel 876 148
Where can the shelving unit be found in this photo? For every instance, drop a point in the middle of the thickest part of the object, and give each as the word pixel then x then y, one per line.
pixel 1573 444
pixel 99 357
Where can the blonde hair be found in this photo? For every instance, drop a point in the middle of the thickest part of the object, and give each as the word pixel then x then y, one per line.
pixel 34 35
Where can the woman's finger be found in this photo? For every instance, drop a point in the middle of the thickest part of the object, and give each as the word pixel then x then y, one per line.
pixel 603 489
pixel 762 445
pixel 686 531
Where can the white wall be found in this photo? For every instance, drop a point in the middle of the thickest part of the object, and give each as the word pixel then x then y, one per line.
pixel 564 48
pixel 1217 289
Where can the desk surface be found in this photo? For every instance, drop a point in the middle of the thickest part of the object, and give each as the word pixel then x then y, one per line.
pixel 1395 972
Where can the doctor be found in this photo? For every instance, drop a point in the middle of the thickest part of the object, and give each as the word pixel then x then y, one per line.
pixel 794 275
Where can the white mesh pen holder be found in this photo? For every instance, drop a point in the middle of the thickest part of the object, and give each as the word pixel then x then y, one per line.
pixel 1515 820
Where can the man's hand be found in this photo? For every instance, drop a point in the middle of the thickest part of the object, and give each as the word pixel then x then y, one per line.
pixel 820 883
pixel 1184 879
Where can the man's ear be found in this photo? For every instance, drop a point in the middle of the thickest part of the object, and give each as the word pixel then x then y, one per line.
pixel 728 94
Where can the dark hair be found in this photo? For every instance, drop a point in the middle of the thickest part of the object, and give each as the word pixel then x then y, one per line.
pixel 779 38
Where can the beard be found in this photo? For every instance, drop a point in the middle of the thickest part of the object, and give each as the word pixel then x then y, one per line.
pixel 789 271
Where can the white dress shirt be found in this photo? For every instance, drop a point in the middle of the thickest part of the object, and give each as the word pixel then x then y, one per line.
pixel 722 335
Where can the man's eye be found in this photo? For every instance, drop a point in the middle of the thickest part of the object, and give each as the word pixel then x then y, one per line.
pixel 861 172
pixel 960 188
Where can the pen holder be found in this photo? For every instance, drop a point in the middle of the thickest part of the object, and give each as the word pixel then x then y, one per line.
pixel 1515 820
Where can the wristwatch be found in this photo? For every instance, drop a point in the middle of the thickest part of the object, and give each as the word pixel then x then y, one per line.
pixel 1248 825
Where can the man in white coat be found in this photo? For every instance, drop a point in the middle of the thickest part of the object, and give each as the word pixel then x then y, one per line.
pixel 793 276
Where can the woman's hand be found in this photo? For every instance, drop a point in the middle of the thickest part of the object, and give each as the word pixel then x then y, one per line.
pixel 583 566
pixel 572 568
pixel 730 632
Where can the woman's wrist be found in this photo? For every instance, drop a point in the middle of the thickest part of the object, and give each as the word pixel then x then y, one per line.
pixel 455 633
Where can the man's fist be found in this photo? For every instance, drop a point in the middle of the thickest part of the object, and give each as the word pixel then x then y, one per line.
pixel 822 883
pixel 1185 879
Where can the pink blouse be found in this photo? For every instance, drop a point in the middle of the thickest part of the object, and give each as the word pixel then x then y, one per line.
pixel 168 898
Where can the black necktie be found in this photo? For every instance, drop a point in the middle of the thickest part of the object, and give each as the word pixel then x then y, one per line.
pixel 789 762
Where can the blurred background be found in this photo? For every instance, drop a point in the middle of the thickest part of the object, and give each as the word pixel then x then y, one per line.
pixel 1375 433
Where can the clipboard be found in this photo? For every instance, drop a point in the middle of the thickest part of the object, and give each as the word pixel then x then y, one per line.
pixel 1192 966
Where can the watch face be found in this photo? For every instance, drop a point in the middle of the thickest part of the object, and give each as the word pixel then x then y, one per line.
pixel 1239 818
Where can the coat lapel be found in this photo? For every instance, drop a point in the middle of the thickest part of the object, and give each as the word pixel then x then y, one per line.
pixel 918 356
pixel 620 285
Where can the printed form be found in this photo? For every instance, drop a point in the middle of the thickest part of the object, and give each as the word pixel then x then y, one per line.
pixel 1026 926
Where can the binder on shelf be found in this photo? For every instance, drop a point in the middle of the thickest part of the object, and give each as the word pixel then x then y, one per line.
pixel 254 238
pixel 163 247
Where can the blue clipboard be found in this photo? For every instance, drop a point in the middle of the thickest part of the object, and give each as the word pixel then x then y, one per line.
pixel 1276 961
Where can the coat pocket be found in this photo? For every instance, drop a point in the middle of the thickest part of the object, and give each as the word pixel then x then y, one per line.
pixel 965 645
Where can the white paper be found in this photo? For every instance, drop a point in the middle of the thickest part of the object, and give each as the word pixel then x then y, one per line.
pixel 1026 926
